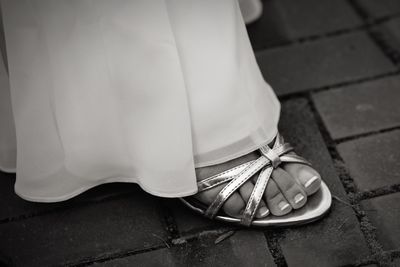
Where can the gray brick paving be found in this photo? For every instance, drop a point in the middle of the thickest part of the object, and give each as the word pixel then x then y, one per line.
pixel 373 161
pixel 380 8
pixel 244 248
pixel 333 241
pixel 322 63
pixel 360 108
pixel 127 224
pixel 390 31
pixel 336 240
pixel 297 124
pixel 189 222
pixel 393 25
pixel 286 20
pixel 384 212
pixel 396 262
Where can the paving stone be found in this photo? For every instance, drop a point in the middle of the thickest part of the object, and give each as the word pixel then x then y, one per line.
pixel 161 257
pixel 394 27
pixel 373 161
pixel 384 213
pixel 322 63
pixel 244 248
pixel 335 240
pixel 390 33
pixel 396 262
pixel 12 206
pixel 360 108
pixel 297 125
pixel 114 226
pixel 380 8
pixel 286 20
pixel 189 222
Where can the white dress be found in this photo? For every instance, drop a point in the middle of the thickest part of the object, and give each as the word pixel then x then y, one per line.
pixel 138 91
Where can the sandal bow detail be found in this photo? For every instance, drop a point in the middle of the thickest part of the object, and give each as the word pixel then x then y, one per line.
pixel 234 178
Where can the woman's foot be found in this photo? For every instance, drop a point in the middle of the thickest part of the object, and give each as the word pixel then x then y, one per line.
pixel 288 189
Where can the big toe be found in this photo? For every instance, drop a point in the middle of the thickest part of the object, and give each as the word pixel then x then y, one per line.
pixel 307 177
pixel 276 201
pixel 292 191
pixel 234 205
pixel 246 192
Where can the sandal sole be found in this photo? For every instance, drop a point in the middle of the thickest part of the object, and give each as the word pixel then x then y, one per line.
pixel 316 207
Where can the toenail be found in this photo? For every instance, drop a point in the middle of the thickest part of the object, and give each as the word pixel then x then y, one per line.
pixel 283 205
pixel 298 198
pixel 263 211
pixel 311 181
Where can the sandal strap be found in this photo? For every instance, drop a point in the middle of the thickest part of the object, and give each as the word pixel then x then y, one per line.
pixel 269 160
pixel 222 177
pixel 294 158
pixel 228 175
pixel 234 184
pixel 256 196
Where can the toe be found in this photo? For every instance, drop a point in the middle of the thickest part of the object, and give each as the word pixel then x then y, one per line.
pixel 276 202
pixel 292 191
pixel 234 205
pixel 262 211
pixel 309 178
pixel 245 192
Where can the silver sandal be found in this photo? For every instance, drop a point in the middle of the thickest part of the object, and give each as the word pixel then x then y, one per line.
pixel 317 204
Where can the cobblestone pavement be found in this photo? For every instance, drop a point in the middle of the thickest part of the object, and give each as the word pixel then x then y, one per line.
pixel 336 68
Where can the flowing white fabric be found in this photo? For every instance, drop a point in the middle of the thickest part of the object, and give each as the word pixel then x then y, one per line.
pixel 136 91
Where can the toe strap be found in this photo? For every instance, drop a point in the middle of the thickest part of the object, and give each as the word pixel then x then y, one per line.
pixel 293 158
pixel 270 159
pixel 234 184
pixel 256 196
pixel 222 177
